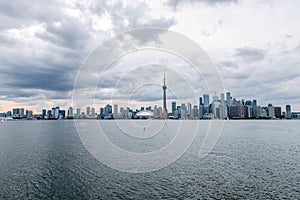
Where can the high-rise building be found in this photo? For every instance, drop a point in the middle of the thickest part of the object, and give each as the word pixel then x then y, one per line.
pixel 44 113
pixel 78 112
pixel 200 101
pixel 254 108
pixel 93 112
pixel 29 114
pixel 173 107
pixel 206 103
pixel 8 114
pixel 56 113
pixel 115 111
pixel 102 113
pixel 22 113
pixel 228 103
pixel 228 96
pixel 88 111
pixel 52 113
pixel 16 112
pixel 70 112
pixel 271 111
pixel 278 112
pixel 179 109
pixel 189 109
pixel 215 107
pixel 288 112
pixel 107 110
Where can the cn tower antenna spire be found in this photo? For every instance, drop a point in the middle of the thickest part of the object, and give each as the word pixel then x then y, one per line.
pixel 165 112
pixel 164 77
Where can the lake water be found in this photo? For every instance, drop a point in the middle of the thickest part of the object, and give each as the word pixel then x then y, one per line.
pixel 251 160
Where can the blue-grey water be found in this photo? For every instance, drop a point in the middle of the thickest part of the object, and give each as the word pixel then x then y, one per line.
pixel 251 160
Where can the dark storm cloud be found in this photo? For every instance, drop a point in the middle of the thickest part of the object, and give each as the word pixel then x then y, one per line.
pixel 42 45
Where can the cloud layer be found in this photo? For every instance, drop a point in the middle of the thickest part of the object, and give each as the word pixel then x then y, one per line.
pixel 255 45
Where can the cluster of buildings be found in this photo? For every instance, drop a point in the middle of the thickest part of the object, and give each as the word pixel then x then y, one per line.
pixel 218 108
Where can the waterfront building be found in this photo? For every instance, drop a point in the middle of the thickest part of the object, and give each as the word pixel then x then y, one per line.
pixel 278 112
pixel 173 107
pixel 93 113
pixel 254 108
pixel 288 111
pixel 56 112
pixel 44 113
pixel 206 103
pixel 78 111
pixel 115 115
pixel 88 111
pixel 271 111
pixel 70 112
pixel 107 110
pixel 29 114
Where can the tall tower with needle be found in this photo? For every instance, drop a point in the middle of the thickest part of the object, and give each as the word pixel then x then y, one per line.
pixel 164 111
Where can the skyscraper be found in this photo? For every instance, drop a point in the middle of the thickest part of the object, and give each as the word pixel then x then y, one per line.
pixel 56 113
pixel 200 101
pixel 78 111
pixel 115 111
pixel 93 112
pixel 173 107
pixel 288 110
pixel 88 110
pixel 206 103
pixel 44 113
pixel 70 112
pixel 107 110
pixel 228 96
pixel 165 112
pixel 254 108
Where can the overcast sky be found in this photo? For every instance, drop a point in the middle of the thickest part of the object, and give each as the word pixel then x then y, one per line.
pixel 255 45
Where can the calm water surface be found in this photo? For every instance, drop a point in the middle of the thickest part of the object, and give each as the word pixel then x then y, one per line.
pixel 252 160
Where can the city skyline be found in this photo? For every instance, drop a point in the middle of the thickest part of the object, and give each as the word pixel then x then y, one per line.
pixel 217 107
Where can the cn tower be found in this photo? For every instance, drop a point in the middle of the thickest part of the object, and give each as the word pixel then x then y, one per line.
pixel 165 112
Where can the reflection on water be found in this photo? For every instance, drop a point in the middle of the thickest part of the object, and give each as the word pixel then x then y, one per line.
pixel 252 159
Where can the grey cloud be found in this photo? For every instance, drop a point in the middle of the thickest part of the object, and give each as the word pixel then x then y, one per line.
pixel 249 54
pixel 47 61
pixel 69 34
pixel 19 14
